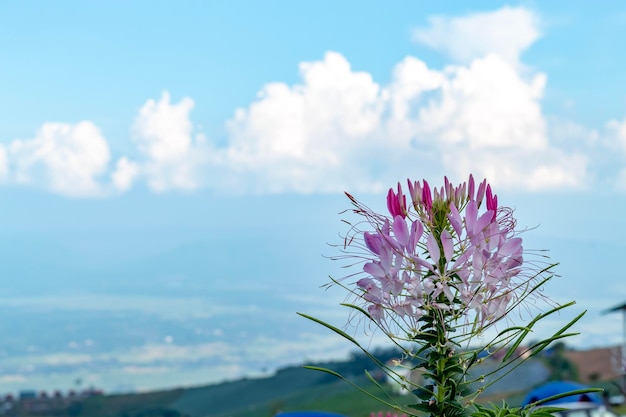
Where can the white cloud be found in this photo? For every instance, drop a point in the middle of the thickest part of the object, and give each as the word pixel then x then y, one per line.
pixel 521 169
pixel 298 138
pixel 505 32
pixel 4 162
pixel 65 158
pixel 338 129
pixel 341 129
pixel 614 142
pixel 126 172
pixel 170 154
pixel 616 134
pixel 73 159
pixel 487 104
pixel 488 120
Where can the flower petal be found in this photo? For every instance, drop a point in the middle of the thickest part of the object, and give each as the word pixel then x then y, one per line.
pixel 374 269
pixel 455 220
pixel 471 213
pixel 511 247
pixel 448 245
pixel 401 231
pixel 433 249
pixel 462 259
pixel 427 198
pixel 373 242
pixel 482 222
pixel 417 229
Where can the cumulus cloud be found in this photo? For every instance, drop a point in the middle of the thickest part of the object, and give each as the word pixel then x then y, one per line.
pixel 487 104
pixel 125 174
pixel 298 138
pixel 520 169
pixel 74 159
pixel 169 153
pixel 4 162
pixel 340 128
pixel 65 158
pixel 505 32
pixel 617 134
pixel 337 129
pixel 614 140
pixel 488 120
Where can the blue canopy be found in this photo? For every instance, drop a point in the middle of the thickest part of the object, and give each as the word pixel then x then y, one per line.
pixel 559 387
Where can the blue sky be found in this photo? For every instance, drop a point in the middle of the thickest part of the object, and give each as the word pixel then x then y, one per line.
pixel 214 140
pixel 208 73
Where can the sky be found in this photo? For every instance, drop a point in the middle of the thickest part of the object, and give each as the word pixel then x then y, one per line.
pixel 194 156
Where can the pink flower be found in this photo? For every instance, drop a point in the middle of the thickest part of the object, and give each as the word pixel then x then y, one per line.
pixel 427 200
pixel 396 203
pixel 415 263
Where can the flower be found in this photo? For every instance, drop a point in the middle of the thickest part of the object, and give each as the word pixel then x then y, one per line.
pixel 444 265
pixel 445 251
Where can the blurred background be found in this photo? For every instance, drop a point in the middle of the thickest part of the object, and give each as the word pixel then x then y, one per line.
pixel 172 174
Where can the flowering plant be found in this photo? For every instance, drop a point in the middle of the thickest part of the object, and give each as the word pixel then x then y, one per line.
pixel 444 267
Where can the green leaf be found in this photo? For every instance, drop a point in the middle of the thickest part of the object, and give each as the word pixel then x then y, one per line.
pixel 545 411
pixel 429 375
pixel 540 346
pixel 550 410
pixel 544 343
pixel 559 334
pixel 565 394
pixel 359 309
pixel 516 344
pixel 483 411
pixel 454 369
pixel 423 406
pixel 371 378
pixel 424 393
pixel 331 327
pixel 326 370
pixel 471 361
pixel 364 391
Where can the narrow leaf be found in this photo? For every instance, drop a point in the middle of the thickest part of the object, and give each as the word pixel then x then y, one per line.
pixel 331 327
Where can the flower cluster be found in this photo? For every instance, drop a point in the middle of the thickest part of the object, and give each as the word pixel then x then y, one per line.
pixel 452 249
pixel 441 267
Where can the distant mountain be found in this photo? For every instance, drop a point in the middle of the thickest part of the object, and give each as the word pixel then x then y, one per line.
pixel 291 388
